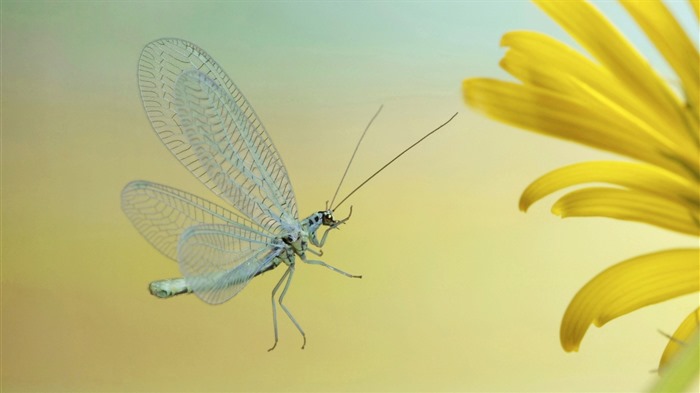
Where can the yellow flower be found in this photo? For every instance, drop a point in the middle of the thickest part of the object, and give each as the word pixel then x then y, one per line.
pixel 612 100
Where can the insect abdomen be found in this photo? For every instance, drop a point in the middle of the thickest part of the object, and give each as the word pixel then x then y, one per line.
pixel 169 288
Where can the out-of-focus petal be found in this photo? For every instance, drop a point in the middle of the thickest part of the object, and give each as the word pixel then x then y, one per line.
pixel 561 69
pixel 566 117
pixel 595 33
pixel 557 63
pixel 683 369
pixel 637 176
pixel 671 40
pixel 627 205
pixel 628 286
pixel 680 337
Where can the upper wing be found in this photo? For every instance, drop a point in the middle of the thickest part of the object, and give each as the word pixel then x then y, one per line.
pixel 217 262
pixel 241 137
pixel 236 159
pixel 161 214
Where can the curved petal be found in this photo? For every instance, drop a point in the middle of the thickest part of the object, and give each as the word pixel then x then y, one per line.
pixel 595 33
pixel 627 205
pixel 562 69
pixel 557 63
pixel 680 338
pixel 671 40
pixel 642 177
pixel 566 117
pixel 628 286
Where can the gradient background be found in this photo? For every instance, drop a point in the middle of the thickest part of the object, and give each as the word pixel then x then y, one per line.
pixel 461 291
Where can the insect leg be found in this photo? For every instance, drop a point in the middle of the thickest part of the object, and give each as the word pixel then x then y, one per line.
pixel 323 238
pixel 290 270
pixel 274 308
pixel 317 262
pixel 317 253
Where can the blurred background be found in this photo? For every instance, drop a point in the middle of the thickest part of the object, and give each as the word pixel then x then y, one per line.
pixel 460 290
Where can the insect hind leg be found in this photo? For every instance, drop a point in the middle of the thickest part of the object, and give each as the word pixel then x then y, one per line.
pixel 288 274
pixel 274 307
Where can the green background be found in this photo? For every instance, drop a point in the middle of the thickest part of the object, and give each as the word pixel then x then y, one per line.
pixel 461 291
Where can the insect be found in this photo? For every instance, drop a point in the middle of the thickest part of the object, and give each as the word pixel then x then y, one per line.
pixel 209 126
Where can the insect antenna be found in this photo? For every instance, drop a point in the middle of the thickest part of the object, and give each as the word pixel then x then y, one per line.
pixel 393 159
pixel 353 155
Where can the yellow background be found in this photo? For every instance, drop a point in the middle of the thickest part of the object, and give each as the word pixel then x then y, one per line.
pixel 461 291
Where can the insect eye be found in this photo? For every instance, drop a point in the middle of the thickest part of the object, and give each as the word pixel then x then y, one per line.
pixel 328 218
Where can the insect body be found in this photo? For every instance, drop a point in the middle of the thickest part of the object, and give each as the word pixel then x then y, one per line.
pixel 208 125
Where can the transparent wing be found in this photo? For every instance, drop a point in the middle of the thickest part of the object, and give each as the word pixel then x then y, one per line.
pixel 218 262
pixel 162 62
pixel 161 214
pixel 237 159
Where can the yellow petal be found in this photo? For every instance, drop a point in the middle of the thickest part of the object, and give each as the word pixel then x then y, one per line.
pixel 637 176
pixel 627 205
pixel 680 337
pixel 562 116
pixel 671 40
pixel 628 286
pixel 684 151
pixel 595 33
pixel 696 7
pixel 556 63
pixel 542 61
